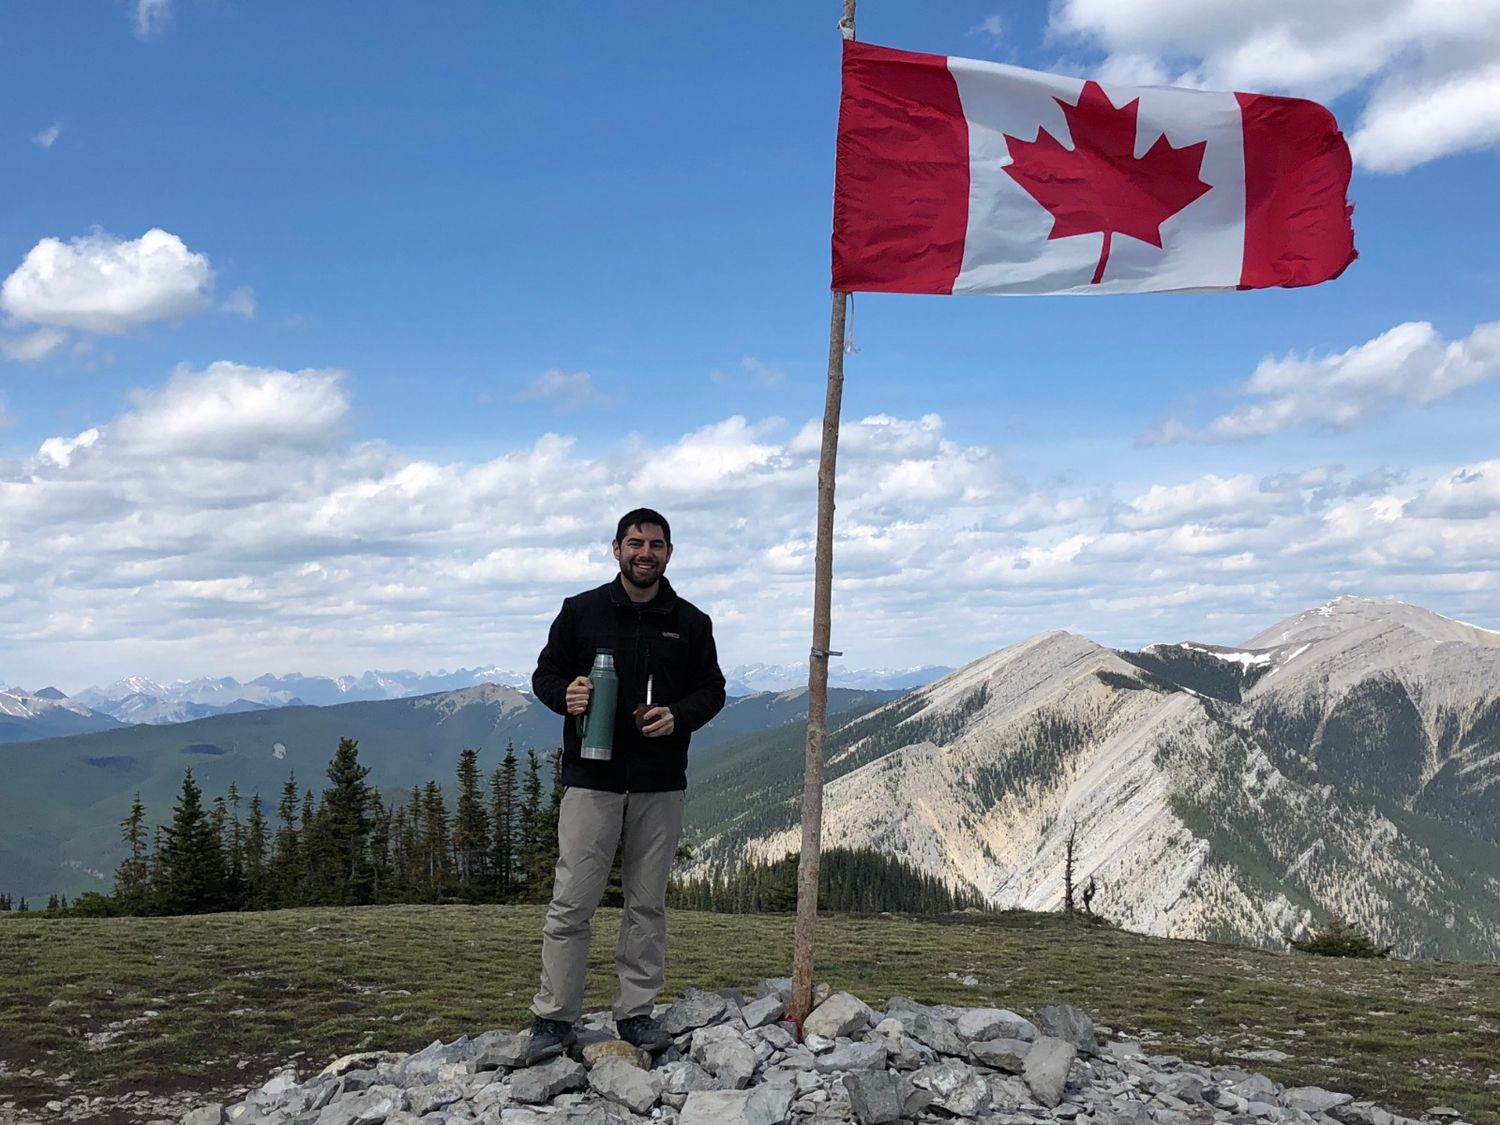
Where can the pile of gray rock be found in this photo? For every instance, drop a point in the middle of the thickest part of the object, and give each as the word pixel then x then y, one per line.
pixel 737 1062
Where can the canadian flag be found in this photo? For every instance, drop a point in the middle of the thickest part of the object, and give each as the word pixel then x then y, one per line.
pixel 959 176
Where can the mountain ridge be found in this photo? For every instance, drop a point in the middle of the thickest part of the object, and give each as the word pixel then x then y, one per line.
pixel 1215 792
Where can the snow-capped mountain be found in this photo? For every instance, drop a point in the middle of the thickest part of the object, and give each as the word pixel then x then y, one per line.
pixel 138 699
pixel 26 715
pixel 1344 761
pixel 747 679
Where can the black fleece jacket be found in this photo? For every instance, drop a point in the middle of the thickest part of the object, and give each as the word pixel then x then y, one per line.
pixel 668 638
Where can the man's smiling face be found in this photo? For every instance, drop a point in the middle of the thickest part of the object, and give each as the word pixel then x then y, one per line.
pixel 643 555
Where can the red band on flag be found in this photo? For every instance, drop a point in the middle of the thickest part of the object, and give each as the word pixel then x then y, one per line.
pixel 1297 220
pixel 901 194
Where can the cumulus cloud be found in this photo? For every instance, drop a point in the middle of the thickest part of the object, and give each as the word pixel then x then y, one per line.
pixel 100 283
pixel 48 136
pixel 1425 68
pixel 151 18
pixel 232 412
pixel 1411 363
pixel 568 390
pixel 225 522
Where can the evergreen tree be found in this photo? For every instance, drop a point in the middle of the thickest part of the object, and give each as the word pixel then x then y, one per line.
pixel 4 902
pixel 531 846
pixel 343 831
pixel 193 873
pixel 503 812
pixel 411 865
pixel 380 848
pixel 132 888
pixel 313 855
pixel 471 826
pixel 435 834
pixel 285 875
pixel 257 843
pixel 234 843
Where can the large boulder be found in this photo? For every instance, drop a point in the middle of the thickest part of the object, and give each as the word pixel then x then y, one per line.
pixel 764 1105
pixel 843 1013
pixel 1046 1068
pixel 623 1082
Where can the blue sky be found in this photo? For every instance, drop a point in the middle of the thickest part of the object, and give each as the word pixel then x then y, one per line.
pixel 443 288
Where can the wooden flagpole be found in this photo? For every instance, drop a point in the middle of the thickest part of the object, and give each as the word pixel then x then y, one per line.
pixel 817 664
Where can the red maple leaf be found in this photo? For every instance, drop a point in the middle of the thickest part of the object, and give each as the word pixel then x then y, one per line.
pixel 1099 184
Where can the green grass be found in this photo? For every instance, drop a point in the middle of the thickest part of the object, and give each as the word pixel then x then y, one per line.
pixel 312 984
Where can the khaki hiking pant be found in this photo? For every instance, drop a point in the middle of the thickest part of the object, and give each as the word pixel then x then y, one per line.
pixel 591 824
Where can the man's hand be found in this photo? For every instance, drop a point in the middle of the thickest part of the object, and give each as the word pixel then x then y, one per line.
pixel 577 695
pixel 657 722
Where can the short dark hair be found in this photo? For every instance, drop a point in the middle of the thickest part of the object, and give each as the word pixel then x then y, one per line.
pixel 639 517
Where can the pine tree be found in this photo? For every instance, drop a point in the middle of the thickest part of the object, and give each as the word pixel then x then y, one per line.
pixel 234 844
pixel 257 842
pixel 344 825
pixel 380 848
pixel 437 860
pixel 531 845
pixel 285 875
pixel 543 854
pixel 412 866
pixel 132 889
pixel 503 812
pixel 471 826
pixel 193 874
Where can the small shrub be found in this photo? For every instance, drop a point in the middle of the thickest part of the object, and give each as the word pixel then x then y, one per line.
pixel 1339 939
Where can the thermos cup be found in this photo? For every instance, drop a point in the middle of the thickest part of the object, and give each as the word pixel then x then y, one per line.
pixel 596 726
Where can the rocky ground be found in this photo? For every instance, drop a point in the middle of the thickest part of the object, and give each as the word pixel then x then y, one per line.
pixel 737 1062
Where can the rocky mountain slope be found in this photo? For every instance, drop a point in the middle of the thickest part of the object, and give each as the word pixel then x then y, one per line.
pixel 1344 761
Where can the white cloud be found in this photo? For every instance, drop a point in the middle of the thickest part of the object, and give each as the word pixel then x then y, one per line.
pixel 233 412
pixel 33 345
pixel 99 283
pixel 1411 363
pixel 568 389
pixel 151 18
pixel 241 302
pixel 1426 68
pixel 48 136
pixel 225 522
pixel 1410 122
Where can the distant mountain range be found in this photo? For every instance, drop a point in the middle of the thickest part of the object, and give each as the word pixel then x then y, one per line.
pixel 1344 761
pixel 138 699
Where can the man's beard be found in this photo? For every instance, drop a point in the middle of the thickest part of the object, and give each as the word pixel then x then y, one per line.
pixel 641 581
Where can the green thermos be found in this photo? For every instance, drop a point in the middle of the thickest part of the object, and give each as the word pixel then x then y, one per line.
pixel 596 726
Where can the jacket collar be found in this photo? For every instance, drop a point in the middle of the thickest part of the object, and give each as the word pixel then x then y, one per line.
pixel 664 602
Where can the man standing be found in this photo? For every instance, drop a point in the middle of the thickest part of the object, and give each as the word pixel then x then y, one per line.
pixel 664 655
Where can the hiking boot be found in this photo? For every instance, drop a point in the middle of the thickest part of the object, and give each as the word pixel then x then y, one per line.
pixel 549 1038
pixel 645 1033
